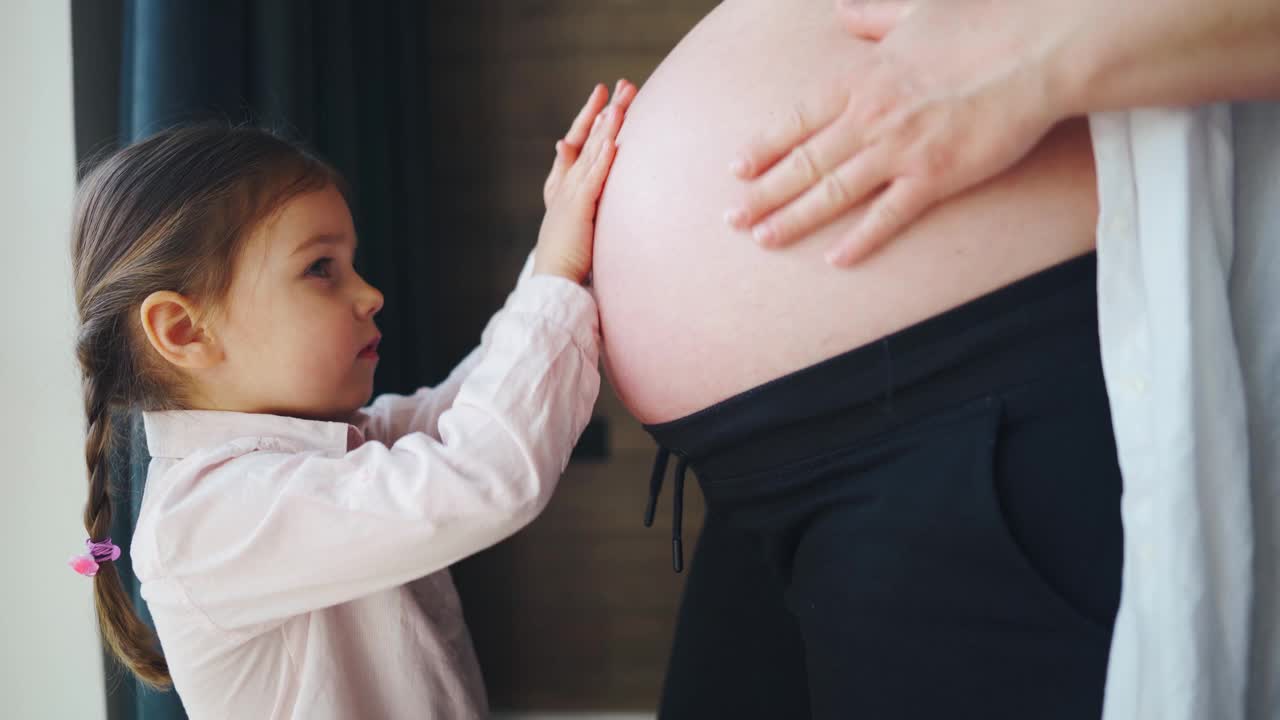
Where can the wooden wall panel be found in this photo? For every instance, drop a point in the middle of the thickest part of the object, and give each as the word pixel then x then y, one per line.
pixel 577 611
pixel 584 29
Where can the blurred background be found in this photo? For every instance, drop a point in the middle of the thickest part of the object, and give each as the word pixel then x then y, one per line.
pixel 442 114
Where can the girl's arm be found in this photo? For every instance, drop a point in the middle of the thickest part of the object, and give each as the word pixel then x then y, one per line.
pixel 256 531
pixel 392 416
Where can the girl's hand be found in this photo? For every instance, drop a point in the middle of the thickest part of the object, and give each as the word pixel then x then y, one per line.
pixel 948 102
pixel 573 187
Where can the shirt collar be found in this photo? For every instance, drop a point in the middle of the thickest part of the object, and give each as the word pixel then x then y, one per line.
pixel 179 433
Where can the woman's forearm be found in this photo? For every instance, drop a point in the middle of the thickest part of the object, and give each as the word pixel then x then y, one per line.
pixel 960 90
pixel 1114 55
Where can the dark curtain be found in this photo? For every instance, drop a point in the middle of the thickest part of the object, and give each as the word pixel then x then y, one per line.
pixel 348 79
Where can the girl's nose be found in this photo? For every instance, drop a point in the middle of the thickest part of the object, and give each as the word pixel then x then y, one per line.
pixel 370 300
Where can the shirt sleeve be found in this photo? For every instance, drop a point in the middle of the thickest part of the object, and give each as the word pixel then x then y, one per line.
pixel 256 534
pixel 392 416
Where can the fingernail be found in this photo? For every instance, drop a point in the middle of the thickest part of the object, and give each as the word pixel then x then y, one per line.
pixel 738 167
pixel 617 87
pixel 763 234
pixel 838 258
pixel 735 218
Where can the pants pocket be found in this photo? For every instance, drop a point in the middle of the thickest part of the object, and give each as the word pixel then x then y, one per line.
pixel 907 575
pixel 1048 520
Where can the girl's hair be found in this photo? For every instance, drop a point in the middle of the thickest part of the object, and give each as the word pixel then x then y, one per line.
pixel 167 213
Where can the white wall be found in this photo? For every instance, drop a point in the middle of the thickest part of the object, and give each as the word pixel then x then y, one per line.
pixel 50 665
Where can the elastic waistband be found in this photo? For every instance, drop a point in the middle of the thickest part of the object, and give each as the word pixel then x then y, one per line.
pixel 1010 336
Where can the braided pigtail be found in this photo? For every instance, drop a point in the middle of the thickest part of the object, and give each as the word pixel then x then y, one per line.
pixel 125 634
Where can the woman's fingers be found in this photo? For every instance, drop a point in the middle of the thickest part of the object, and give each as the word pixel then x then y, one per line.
pixel 896 208
pixel 799 123
pixel 933 114
pixel 872 19
pixel 835 194
pixel 809 164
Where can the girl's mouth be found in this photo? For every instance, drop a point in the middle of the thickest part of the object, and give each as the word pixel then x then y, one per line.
pixel 370 351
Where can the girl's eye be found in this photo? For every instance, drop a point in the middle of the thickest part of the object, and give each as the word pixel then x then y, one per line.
pixel 320 268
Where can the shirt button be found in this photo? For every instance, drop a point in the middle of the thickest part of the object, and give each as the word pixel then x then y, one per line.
pixel 1119 224
pixel 1138 385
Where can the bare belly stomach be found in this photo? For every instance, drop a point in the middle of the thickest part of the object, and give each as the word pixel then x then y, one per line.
pixel 693 312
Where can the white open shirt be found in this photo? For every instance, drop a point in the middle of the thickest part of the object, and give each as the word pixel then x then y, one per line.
pixel 1189 299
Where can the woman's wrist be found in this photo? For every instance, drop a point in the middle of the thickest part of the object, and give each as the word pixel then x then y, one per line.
pixel 1063 67
pixel 1087 65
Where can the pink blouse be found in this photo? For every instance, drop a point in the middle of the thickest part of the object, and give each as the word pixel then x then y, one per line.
pixel 298 569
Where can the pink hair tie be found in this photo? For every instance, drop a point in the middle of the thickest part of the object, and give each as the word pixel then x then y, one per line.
pixel 99 552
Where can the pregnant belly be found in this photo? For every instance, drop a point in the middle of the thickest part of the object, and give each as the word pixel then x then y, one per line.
pixel 693 312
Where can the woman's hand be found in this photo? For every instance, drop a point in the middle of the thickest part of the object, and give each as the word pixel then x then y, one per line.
pixel 948 102
pixel 573 187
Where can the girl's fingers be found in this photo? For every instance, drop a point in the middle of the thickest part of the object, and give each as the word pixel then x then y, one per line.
pixel 610 124
pixel 624 92
pixel 565 156
pixel 602 135
pixel 598 130
pixel 577 163
pixel 594 182
pixel 609 128
pixel 582 123
pixel 623 96
pixel 561 162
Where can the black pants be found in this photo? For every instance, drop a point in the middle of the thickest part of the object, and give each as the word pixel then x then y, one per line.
pixel 925 527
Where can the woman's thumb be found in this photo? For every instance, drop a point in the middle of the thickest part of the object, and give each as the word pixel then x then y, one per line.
pixel 871 19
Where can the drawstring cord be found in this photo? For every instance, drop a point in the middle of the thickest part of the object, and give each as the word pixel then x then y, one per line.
pixel 677 508
pixel 655 488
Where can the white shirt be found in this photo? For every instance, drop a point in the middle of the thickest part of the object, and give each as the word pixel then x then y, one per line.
pixel 297 569
pixel 1189 298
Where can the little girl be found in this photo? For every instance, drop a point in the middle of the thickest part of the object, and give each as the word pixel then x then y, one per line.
pixel 292 548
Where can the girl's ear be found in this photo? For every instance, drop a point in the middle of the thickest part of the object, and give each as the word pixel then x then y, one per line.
pixel 174 329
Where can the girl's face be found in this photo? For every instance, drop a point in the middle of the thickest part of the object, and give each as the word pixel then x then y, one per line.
pixel 296 330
